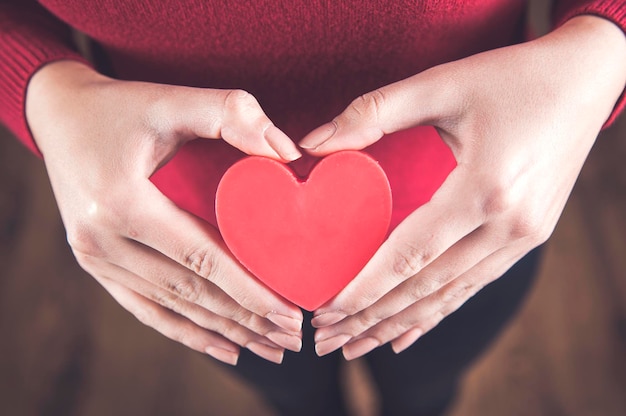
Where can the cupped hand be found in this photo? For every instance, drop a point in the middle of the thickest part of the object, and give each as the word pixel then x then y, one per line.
pixel 101 140
pixel 520 122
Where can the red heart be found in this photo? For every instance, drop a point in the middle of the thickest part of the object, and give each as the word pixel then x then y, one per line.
pixel 306 240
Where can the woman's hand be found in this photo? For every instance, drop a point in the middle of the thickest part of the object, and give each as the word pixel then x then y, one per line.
pixel 520 122
pixel 101 140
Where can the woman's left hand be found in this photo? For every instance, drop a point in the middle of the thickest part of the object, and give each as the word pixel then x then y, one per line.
pixel 520 121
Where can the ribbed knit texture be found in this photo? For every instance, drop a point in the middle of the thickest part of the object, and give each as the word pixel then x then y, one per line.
pixel 29 38
pixel 287 53
pixel 304 60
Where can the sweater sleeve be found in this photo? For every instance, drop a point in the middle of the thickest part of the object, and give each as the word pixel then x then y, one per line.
pixel 613 10
pixel 30 37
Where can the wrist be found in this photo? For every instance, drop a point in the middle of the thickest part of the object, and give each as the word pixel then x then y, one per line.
pixel 51 89
pixel 592 51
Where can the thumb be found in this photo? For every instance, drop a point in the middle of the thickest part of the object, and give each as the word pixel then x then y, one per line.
pixel 423 99
pixel 234 116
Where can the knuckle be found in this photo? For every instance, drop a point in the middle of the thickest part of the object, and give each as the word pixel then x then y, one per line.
pixel 168 301
pixel 362 298
pixel 523 226
pixel 230 309
pixel 451 307
pixel 222 304
pixel 458 293
pixel 392 329
pixel 186 288
pixel 227 331
pixel 257 324
pixel 250 301
pixel 368 296
pixel 409 260
pixel 369 105
pixel 422 287
pixel 525 217
pixel 427 324
pixel 95 224
pixel 233 332
pixel 365 320
pixel 84 241
pixel 156 116
pixel 540 225
pixel 240 319
pixel 500 200
pixel 238 101
pixel 405 265
pixel 399 327
pixel 531 224
pixel 438 316
pixel 202 261
pixel 250 320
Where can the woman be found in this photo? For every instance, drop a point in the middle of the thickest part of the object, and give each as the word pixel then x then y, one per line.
pixel 136 191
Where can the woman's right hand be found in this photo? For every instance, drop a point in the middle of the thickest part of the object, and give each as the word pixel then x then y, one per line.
pixel 101 140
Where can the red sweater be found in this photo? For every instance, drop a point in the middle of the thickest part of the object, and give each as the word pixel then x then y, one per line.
pixel 304 60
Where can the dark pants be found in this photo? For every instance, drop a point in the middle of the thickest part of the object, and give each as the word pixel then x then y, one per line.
pixel 422 380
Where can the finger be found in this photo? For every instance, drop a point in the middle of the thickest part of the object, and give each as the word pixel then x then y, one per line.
pixel 423 316
pixel 269 344
pixel 461 257
pixel 427 98
pixel 193 243
pixel 173 325
pixel 201 319
pixel 230 330
pixel 182 284
pixel 420 239
pixel 233 115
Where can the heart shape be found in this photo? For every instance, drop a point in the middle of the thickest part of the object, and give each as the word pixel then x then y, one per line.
pixel 305 239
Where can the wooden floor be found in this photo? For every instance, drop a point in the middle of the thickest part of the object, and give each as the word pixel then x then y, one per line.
pixel 66 348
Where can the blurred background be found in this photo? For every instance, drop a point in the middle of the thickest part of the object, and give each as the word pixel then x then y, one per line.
pixel 66 348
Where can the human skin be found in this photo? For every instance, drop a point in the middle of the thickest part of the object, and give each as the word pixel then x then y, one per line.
pixel 101 140
pixel 520 122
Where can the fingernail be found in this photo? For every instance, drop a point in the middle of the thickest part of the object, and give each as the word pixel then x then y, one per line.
pixel 271 354
pixel 286 322
pixel 327 318
pixel 406 340
pixel 359 347
pixel 331 344
pixel 281 144
pixel 291 342
pixel 290 155
pixel 319 137
pixel 224 356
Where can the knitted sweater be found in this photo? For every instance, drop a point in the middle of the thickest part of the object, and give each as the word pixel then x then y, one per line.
pixel 304 60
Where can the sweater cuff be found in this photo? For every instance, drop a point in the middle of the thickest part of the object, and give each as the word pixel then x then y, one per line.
pixel 614 11
pixel 22 53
